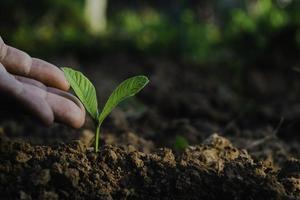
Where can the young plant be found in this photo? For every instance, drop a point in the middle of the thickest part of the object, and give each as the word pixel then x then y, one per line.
pixel 86 92
pixel 180 143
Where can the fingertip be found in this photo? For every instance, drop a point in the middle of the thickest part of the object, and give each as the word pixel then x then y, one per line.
pixel 77 123
pixel 65 85
pixel 66 111
pixel 49 74
pixel 76 117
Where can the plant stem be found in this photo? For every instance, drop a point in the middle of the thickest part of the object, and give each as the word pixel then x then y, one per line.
pixel 97 138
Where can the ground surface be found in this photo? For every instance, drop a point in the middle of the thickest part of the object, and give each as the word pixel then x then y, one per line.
pixel 254 155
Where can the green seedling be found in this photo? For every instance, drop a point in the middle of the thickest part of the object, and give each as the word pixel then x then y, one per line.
pixel 86 92
pixel 180 143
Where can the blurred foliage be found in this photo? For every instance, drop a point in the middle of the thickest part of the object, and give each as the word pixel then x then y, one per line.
pixel 148 30
pixel 42 26
pixel 224 31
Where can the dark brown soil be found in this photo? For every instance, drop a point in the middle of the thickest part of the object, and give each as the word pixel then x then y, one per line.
pixel 213 170
pixel 257 111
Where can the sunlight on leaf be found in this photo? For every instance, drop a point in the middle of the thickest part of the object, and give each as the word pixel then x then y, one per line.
pixel 84 89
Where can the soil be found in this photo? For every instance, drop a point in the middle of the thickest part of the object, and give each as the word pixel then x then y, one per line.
pixel 241 129
pixel 212 170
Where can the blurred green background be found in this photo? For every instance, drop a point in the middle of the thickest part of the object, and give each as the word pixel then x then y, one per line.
pixel 215 66
pixel 229 32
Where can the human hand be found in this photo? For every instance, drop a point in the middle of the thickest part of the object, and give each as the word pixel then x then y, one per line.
pixel 39 87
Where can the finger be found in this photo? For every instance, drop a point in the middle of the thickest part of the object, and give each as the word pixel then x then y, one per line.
pixel 8 84
pixel 29 96
pixel 14 60
pixel 65 110
pixel 31 82
pixel 32 99
pixel 52 90
pixel 20 63
pixel 66 95
pixel 48 74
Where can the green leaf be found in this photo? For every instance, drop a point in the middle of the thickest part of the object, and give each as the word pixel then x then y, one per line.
pixel 126 89
pixel 180 143
pixel 84 89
